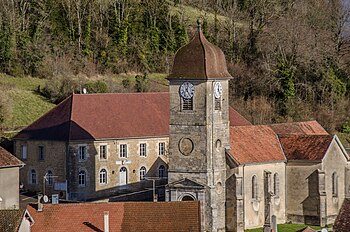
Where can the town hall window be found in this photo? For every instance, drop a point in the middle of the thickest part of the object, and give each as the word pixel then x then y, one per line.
pixel 103 152
pixel 161 171
pixel 142 173
pixel 32 179
pixel 103 176
pixel 162 148
pixel 334 184
pixel 49 177
pixel 82 178
pixel 82 152
pixel 24 152
pixel 123 151
pixel 41 152
pixel 254 188
pixel 143 149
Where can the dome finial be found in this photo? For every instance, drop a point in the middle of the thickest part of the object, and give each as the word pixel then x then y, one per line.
pixel 199 23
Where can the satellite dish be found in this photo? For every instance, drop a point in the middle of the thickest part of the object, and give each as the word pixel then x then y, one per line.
pixel 46 199
pixel 84 91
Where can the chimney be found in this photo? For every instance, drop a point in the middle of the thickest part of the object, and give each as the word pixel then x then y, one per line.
pixel 106 221
pixel 40 205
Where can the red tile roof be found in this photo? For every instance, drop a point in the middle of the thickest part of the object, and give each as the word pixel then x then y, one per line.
pixel 8 160
pixel 307 128
pixel 252 144
pixel 99 116
pixel 129 216
pixel 305 147
pixel 237 119
pixel 342 222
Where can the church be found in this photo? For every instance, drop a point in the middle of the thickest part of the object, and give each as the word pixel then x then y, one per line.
pixel 191 139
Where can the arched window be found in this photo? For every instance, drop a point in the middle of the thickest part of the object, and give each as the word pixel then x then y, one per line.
pixel 254 188
pixel 82 178
pixel 33 176
pixel 276 184
pixel 103 176
pixel 142 173
pixel 161 171
pixel 334 184
pixel 123 176
pixel 49 176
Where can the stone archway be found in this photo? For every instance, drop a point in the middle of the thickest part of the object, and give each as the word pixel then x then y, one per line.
pixel 188 198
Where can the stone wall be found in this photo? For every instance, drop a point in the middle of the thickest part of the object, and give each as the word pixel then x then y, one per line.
pixel 112 164
pixel 54 160
pixel 254 208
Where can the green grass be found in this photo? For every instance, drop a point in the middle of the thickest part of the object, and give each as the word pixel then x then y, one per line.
pixel 26 105
pixel 191 14
pixel 286 228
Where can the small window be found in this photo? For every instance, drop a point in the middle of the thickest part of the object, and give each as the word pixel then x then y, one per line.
pixel 161 148
pixel 24 152
pixel 82 178
pixel 276 185
pixel 187 104
pixel 142 149
pixel 334 184
pixel 49 177
pixel 82 152
pixel 142 173
pixel 254 188
pixel 33 177
pixel 103 152
pixel 41 152
pixel 103 176
pixel 161 171
pixel 123 152
pixel 218 103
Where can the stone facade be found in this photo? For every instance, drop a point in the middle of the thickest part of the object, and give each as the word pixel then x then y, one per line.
pixel 240 195
pixel 311 198
pixel 65 162
pixel 206 130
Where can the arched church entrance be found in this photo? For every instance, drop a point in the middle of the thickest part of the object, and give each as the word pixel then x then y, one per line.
pixel 187 198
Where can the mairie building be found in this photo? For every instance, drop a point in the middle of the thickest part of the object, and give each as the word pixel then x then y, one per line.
pixel 193 141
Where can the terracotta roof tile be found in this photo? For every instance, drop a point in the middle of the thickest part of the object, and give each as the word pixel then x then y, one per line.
pixel 342 222
pixel 252 144
pixel 8 160
pixel 10 220
pixel 305 147
pixel 99 116
pixel 199 59
pixel 307 128
pixel 237 119
pixel 129 216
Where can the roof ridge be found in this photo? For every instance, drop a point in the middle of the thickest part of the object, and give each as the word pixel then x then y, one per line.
pixel 200 35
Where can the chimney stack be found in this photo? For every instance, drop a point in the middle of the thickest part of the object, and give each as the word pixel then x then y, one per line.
pixel 106 221
pixel 40 205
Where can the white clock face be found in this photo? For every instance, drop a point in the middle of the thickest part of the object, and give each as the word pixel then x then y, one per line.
pixel 217 90
pixel 187 90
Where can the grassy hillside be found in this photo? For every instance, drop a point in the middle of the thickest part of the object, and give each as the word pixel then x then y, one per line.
pixel 24 103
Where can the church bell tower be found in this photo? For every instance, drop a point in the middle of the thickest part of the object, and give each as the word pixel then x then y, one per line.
pixel 199 129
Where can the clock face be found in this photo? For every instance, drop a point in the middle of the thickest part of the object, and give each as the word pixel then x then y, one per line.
pixel 187 90
pixel 217 90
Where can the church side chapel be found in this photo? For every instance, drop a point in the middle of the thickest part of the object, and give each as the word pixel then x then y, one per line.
pixel 194 143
